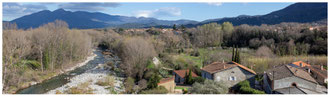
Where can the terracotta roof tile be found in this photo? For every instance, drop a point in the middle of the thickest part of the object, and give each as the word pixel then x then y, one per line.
pixel 182 73
pixel 219 66
pixel 298 63
pixel 314 68
pixel 164 80
pixel 301 73
pixel 247 69
pixel 317 69
pixel 284 71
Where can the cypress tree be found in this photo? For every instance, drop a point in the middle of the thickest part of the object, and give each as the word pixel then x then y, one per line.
pixel 189 77
pixel 233 54
pixel 174 27
pixel 238 57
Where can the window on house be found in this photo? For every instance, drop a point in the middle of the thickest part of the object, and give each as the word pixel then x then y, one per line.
pixel 232 78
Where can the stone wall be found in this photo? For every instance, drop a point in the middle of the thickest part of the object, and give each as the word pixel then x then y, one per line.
pixel 287 82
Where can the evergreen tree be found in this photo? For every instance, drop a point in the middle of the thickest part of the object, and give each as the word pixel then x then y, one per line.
pixel 174 27
pixel 238 60
pixel 233 54
pixel 236 55
pixel 153 81
pixel 190 79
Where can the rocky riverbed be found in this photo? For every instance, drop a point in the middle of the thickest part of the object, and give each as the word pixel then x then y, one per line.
pixel 91 77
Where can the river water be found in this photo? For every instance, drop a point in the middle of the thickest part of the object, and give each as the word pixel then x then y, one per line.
pixel 64 78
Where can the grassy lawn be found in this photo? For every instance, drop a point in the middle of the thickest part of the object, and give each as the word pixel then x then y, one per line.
pixel 185 58
pixel 181 87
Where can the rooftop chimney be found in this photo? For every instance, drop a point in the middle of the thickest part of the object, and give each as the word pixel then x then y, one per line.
pixel 309 70
pixel 223 61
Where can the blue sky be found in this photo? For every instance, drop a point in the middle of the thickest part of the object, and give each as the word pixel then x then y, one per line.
pixel 165 11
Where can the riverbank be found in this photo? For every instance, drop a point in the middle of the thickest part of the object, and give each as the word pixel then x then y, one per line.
pixel 56 73
pixel 90 81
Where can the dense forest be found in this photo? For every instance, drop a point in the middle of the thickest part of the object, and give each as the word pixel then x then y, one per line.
pixel 35 54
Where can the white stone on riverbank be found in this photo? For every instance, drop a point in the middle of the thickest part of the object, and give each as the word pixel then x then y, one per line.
pixel 92 76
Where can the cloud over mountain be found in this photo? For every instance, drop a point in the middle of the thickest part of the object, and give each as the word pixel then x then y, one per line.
pixel 88 6
pixel 15 10
pixel 161 12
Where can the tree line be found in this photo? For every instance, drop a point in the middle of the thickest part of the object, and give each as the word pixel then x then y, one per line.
pixel 31 54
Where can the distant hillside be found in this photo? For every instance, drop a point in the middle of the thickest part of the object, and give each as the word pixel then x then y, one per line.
pixel 84 20
pixel 298 12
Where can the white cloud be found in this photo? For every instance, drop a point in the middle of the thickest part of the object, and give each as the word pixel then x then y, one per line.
pixel 161 12
pixel 215 3
pixel 14 10
pixel 88 6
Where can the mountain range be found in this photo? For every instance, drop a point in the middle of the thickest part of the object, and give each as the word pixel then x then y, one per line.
pixel 298 12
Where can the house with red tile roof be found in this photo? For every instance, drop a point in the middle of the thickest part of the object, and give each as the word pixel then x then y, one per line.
pixel 230 73
pixel 180 75
pixel 316 71
pixel 168 83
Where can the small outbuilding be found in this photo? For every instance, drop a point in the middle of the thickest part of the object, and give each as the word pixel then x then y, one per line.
pixel 180 75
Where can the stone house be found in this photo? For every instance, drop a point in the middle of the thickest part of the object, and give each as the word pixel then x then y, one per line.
pixel 168 83
pixel 286 79
pixel 230 73
pixel 316 71
pixel 180 75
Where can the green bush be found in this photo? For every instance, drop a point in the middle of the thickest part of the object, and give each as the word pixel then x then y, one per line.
pixel 243 84
pixel 31 63
pixel 199 79
pixel 164 73
pixel 244 88
pixel 153 81
pixel 249 90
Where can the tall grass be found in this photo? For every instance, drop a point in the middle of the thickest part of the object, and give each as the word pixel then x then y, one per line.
pixel 262 64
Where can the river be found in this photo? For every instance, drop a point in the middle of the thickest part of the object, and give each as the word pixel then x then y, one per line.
pixel 63 79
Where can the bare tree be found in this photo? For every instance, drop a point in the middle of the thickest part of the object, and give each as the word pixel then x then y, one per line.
pixel 135 52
